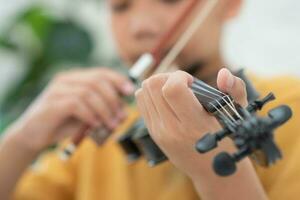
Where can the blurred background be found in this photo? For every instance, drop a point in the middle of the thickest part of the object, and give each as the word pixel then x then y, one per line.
pixel 40 37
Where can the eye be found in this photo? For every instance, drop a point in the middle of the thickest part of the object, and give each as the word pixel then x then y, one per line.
pixel 170 1
pixel 120 6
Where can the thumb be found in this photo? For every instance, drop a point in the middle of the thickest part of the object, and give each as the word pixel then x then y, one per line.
pixel 233 86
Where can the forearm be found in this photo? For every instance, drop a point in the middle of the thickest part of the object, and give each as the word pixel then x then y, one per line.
pixel 15 157
pixel 244 184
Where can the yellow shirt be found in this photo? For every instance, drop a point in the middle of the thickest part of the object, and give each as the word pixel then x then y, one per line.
pixel 103 173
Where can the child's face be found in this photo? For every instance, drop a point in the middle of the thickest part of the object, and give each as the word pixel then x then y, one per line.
pixel 137 26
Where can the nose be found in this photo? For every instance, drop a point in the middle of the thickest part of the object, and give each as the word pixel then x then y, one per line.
pixel 144 24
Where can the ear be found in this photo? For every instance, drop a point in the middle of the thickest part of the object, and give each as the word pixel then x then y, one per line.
pixel 232 9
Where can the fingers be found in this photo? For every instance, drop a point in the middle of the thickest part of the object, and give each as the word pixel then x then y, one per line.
pixel 167 97
pixel 98 106
pixel 153 90
pixel 73 107
pixel 144 111
pixel 76 99
pixel 111 97
pixel 141 103
pixel 120 82
pixel 97 91
pixel 146 105
pixel 107 82
pixel 181 99
pixel 233 86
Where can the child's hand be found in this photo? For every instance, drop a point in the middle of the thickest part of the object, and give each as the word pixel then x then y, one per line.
pixel 72 100
pixel 176 120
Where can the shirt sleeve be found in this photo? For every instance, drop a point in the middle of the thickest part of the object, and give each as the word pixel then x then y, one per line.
pixel 49 178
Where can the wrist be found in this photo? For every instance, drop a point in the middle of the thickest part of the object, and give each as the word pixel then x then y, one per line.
pixel 206 174
pixel 18 136
pixel 212 186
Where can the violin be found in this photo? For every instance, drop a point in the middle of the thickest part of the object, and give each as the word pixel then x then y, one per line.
pixel 251 134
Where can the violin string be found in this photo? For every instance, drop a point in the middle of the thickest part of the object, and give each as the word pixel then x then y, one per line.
pixel 233 120
pixel 199 82
pixel 228 114
pixel 199 93
pixel 232 106
pixel 224 116
pixel 199 88
pixel 206 90
pixel 230 103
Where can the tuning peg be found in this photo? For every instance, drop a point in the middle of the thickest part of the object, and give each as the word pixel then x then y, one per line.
pixel 280 115
pixel 207 143
pixel 224 164
pixel 210 141
pixel 259 104
pixel 265 100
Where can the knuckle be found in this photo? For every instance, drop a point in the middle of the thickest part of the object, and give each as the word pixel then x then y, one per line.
pixel 138 94
pixel 169 90
pixel 84 93
pixel 180 73
pixel 70 104
pixel 113 97
pixel 156 82
pixel 241 83
pixel 81 93
pixel 91 83
pixel 116 104
pixel 145 83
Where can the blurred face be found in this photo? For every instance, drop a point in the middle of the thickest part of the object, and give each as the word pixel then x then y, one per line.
pixel 137 26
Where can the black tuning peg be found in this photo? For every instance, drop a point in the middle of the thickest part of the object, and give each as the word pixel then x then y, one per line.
pixel 280 115
pixel 210 141
pixel 265 100
pixel 224 164
pixel 207 143
pixel 259 104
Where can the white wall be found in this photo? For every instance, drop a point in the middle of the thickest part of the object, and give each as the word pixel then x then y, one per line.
pixel 266 37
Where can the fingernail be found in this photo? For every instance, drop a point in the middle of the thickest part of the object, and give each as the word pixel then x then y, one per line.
pixel 128 88
pixel 230 80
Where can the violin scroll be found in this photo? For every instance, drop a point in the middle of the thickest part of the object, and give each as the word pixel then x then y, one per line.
pixel 252 136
